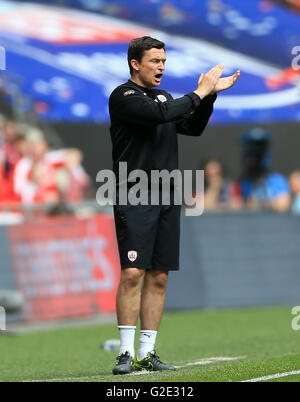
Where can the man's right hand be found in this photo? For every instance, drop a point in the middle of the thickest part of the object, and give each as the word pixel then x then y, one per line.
pixel 207 82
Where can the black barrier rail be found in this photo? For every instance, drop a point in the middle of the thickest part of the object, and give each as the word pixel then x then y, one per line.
pixel 14 213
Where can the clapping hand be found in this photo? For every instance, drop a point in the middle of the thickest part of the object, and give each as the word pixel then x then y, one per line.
pixel 212 83
pixel 226 82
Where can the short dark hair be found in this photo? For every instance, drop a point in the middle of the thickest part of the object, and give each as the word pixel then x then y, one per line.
pixel 138 46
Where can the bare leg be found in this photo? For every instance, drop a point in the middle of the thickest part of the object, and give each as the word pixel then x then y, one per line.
pixel 153 299
pixel 129 296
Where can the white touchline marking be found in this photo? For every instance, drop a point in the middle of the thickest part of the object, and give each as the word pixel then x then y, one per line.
pixel 207 360
pixel 220 359
pixel 273 376
pixel 64 379
pixel 142 372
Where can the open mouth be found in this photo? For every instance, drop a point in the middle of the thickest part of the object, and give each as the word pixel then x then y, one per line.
pixel 158 76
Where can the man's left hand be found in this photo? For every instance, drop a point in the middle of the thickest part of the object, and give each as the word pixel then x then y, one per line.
pixel 226 82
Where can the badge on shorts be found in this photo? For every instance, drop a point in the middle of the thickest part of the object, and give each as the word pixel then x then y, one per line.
pixel 130 92
pixel 162 98
pixel 132 255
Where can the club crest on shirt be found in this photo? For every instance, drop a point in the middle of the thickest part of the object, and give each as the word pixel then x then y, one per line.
pixel 132 255
pixel 130 92
pixel 162 98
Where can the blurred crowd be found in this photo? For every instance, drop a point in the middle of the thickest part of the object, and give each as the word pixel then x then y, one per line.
pixel 32 173
pixel 258 188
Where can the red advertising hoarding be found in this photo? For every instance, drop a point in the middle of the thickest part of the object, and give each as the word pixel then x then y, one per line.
pixel 65 266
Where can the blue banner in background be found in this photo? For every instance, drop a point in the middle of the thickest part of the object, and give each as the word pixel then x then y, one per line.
pixel 68 62
pixel 260 28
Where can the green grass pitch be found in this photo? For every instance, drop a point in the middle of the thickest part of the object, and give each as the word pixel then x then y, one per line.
pixel 262 340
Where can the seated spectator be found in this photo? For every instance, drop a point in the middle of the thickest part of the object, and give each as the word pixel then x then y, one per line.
pixel 294 180
pixel 260 188
pixel 220 193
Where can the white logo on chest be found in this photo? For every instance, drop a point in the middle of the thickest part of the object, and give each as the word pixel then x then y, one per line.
pixel 162 98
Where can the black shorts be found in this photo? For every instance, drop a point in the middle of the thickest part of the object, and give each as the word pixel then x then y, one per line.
pixel 148 236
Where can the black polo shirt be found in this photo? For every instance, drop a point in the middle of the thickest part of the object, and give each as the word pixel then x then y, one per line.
pixel 145 123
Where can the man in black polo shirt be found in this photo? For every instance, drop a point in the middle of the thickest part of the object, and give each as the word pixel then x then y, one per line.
pixel 144 127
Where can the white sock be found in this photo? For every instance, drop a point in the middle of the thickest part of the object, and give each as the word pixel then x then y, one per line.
pixel 127 334
pixel 147 342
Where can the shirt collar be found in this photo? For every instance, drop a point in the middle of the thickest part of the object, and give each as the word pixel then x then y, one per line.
pixel 140 87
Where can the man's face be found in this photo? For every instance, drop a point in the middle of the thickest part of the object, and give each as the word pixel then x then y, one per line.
pixel 150 70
